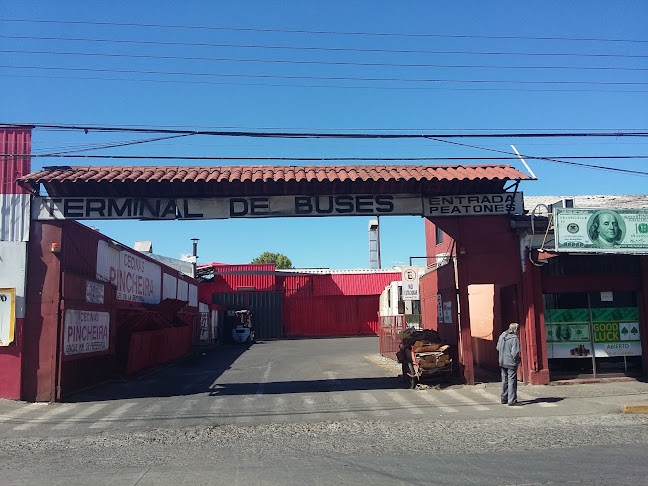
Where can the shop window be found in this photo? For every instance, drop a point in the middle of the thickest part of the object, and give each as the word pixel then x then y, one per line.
pixel 439 235
pixel 592 333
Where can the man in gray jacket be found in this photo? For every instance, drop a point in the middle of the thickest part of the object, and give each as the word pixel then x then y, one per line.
pixel 508 346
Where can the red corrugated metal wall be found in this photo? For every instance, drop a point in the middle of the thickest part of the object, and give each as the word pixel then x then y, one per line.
pixel 77 259
pixel 14 140
pixel 230 278
pixel 338 304
pixel 330 316
pixel 352 283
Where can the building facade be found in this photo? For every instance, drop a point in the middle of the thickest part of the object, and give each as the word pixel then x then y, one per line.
pixel 581 313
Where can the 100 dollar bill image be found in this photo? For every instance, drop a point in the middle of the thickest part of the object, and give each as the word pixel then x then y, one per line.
pixel 601 230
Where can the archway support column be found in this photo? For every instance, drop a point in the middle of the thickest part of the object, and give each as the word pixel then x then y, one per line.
pixel 463 314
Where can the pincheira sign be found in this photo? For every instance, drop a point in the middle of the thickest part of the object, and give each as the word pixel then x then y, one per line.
pixel 136 279
pixel 86 332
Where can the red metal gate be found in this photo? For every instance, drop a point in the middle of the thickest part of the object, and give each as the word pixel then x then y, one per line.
pixel 390 326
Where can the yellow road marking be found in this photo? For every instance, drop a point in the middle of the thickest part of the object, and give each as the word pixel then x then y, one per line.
pixel 635 408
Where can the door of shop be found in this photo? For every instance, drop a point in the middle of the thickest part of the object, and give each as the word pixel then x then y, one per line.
pixel 592 333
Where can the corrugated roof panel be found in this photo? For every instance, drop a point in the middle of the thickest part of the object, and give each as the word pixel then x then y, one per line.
pixel 14 140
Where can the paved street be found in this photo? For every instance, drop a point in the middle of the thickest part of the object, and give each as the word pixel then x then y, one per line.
pixel 331 409
pixel 293 381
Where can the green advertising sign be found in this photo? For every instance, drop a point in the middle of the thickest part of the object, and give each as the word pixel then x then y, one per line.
pixel 614 331
pixel 601 230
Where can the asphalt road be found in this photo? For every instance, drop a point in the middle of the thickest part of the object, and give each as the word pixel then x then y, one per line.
pixel 321 411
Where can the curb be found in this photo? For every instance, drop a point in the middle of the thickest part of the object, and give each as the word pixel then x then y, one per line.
pixel 634 408
pixel 587 381
pixel 395 369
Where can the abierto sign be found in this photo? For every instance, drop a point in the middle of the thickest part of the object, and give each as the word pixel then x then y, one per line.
pixel 52 208
pixel 601 230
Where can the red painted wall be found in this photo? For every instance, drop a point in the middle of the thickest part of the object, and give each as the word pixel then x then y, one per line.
pixel 338 304
pixel 13 140
pixel 330 316
pixel 487 252
pixel 47 299
pixel 10 364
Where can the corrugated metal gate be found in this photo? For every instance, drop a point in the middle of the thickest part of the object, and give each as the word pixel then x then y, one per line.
pixel 265 308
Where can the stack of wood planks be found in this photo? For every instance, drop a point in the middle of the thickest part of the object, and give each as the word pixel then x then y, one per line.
pixel 427 349
pixel 430 355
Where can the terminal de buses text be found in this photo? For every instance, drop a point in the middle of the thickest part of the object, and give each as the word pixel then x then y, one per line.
pixel 48 208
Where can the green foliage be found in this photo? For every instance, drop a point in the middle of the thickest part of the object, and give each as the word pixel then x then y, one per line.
pixel 280 261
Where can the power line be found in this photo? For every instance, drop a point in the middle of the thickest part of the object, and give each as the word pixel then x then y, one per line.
pixel 302 31
pixel 314 48
pixel 85 148
pixel 324 63
pixel 327 135
pixel 549 159
pixel 64 155
pixel 326 86
pixel 324 135
pixel 329 78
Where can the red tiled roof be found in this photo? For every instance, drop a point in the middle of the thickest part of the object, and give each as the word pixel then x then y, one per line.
pixel 269 180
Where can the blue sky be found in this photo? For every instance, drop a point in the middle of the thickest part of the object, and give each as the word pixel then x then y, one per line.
pixel 516 82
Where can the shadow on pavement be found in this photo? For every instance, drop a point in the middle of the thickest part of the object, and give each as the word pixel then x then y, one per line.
pixel 194 373
pixel 311 386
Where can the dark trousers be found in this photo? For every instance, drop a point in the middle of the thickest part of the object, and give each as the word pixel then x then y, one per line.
pixel 509 384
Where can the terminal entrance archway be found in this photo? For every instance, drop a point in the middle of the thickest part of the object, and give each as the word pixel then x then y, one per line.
pixel 448 192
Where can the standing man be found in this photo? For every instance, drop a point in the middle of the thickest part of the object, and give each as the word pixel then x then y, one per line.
pixel 508 346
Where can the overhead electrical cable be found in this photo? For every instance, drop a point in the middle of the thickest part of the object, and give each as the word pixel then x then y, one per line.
pixel 326 63
pixel 329 78
pixel 326 49
pixel 62 153
pixel 329 135
pixel 326 86
pixel 325 32
pixel 329 159
pixel 549 159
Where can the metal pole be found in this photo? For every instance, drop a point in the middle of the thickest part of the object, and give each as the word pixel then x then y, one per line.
pixel 591 323
pixel 378 240
pixel 195 255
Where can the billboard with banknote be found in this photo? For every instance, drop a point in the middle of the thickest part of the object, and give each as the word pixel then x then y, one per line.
pixel 601 230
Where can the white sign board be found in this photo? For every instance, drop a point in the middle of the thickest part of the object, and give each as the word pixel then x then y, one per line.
pixel 7 316
pixel 447 312
pixel 49 208
pixel 86 332
pixel 601 230
pixel 440 308
pixel 94 292
pixel 137 279
pixel 410 278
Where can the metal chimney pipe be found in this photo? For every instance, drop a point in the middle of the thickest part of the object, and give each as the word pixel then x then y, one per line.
pixel 195 255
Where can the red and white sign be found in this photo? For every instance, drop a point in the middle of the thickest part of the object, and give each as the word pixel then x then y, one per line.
pixel 410 279
pixel 137 279
pixel 86 332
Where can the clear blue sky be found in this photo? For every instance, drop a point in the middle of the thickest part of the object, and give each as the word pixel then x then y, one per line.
pixel 385 88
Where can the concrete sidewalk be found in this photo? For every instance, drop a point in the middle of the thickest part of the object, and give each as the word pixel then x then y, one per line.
pixel 625 394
